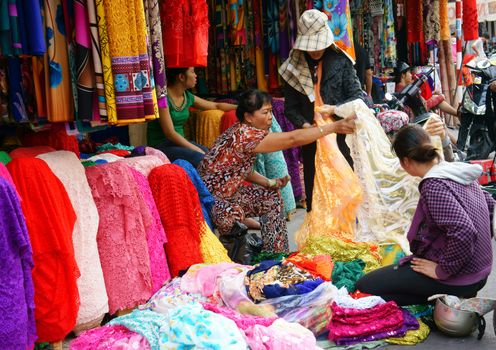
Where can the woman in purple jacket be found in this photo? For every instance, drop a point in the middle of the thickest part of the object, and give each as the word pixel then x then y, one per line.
pixel 450 235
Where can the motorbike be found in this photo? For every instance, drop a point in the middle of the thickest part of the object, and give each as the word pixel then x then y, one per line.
pixel 477 131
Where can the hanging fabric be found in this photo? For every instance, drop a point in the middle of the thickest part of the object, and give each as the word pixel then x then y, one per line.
pixel 470 23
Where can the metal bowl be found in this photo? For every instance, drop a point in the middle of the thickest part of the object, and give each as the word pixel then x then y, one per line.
pixel 454 322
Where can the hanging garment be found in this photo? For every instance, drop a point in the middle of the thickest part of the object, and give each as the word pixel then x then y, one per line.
pixel 390 195
pixel 389 37
pixel 17 321
pixel 445 32
pixel 110 338
pixel 470 21
pixel 236 21
pixel 10 39
pixel 58 87
pixel 174 196
pixel 273 166
pixel 50 220
pixel 17 100
pixel 124 221
pixel 93 295
pixel 126 27
pixel 157 50
pixel 155 236
pixel 432 25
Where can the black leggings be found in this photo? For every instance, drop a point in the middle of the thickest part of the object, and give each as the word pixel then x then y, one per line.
pixel 407 287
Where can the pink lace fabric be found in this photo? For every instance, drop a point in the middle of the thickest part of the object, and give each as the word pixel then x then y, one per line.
pixel 355 322
pixel 124 221
pixel 92 292
pixel 281 335
pixel 155 236
pixel 201 278
pixel 144 164
pixel 110 338
pixel 150 151
pixel 242 321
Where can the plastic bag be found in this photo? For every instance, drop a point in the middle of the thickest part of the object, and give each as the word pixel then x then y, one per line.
pixel 311 310
pixel 242 246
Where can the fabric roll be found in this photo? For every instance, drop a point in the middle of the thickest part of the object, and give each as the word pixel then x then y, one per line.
pixel 16 91
pixel 157 153
pixel 155 236
pixel 432 23
pixel 390 195
pixel 30 152
pixel 50 220
pixel 143 164
pixel 58 87
pixel 470 21
pixel 174 195
pixel 93 295
pixel 445 32
pixel 273 166
pixel 121 238
pixel 17 321
pixel 36 44
pixel 208 127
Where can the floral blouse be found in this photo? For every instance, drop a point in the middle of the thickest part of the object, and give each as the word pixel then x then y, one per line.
pixel 231 159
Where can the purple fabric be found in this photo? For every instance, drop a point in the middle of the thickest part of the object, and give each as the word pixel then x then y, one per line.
pixel 452 227
pixel 292 155
pixel 17 324
pixel 409 323
pixel 138 151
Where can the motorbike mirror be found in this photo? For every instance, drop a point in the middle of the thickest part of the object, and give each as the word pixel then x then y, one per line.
pixel 483 64
pixel 388 96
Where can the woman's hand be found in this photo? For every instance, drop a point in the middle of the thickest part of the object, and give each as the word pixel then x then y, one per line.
pixel 425 267
pixel 435 127
pixel 325 110
pixel 282 181
pixel 344 126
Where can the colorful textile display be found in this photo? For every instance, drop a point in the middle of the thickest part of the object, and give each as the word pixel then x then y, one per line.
pixel 333 212
pixel 470 21
pixel 193 327
pixel 179 207
pixel 341 250
pixel 338 12
pixel 50 222
pixel 346 274
pixel 390 194
pixel 17 321
pixel 155 236
pixel 319 265
pixel 121 238
pixel 273 166
pixel 412 337
pixel 110 338
pixel 93 295
pixel 58 86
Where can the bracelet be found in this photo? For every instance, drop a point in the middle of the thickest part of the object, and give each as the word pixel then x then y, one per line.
pixel 321 130
pixel 271 183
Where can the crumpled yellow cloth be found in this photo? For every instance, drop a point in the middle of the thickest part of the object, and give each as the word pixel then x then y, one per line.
pixel 412 337
pixel 390 195
pixel 336 194
pixel 212 250
pixel 344 251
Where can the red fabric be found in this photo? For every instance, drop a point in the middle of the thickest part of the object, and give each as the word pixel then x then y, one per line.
pixel 30 152
pixel 357 295
pixel 56 137
pixel 414 21
pixel 185 23
pixel 228 120
pixel 178 205
pixel 466 77
pixel 117 152
pixel 50 220
pixel 434 101
pixel 425 91
pixel 470 22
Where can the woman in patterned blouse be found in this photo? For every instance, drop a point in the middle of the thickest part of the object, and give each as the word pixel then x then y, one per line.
pixel 239 191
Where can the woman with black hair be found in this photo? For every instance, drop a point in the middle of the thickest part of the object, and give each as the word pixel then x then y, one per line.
pixel 167 132
pixel 450 234
pixel 239 191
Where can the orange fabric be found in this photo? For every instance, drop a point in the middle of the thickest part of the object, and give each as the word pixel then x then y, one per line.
pixel 319 265
pixel 50 220
pixel 179 208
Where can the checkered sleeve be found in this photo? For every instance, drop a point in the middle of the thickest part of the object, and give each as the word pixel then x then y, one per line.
pixel 452 220
pixel 490 204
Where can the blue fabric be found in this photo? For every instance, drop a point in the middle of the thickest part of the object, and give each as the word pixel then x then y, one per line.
pixel 275 291
pixel 174 152
pixel 263 266
pixel 207 201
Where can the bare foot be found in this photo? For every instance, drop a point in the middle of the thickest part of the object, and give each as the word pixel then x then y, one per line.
pixel 251 223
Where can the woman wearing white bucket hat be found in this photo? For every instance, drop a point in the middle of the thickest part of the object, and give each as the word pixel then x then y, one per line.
pixel 314 51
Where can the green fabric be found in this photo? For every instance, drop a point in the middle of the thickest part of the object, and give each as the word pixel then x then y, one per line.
pixel 4 157
pixel 420 310
pixel 88 163
pixel 346 274
pixel 268 256
pixel 155 134
pixel 111 146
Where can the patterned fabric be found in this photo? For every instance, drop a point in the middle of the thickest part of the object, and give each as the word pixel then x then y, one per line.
pixel 392 121
pixel 431 21
pixel 17 323
pixel 273 166
pixel 452 227
pixel 110 338
pixel 295 72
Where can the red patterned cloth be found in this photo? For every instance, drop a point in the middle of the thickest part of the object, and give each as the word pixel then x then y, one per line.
pixel 470 22
pixel 50 220
pixel 178 204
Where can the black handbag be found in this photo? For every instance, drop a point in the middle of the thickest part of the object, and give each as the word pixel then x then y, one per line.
pixel 241 245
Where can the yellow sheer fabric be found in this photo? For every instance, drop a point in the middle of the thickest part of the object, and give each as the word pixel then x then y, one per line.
pixel 336 193
pixel 212 250
pixel 390 195
pixel 208 126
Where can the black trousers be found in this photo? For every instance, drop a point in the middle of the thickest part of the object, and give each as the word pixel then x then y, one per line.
pixel 308 155
pixel 407 287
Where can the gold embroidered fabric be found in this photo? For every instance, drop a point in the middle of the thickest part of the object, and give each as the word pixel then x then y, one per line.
pixel 412 337
pixel 390 195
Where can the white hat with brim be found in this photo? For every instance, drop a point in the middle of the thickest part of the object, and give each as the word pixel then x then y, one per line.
pixel 314 34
